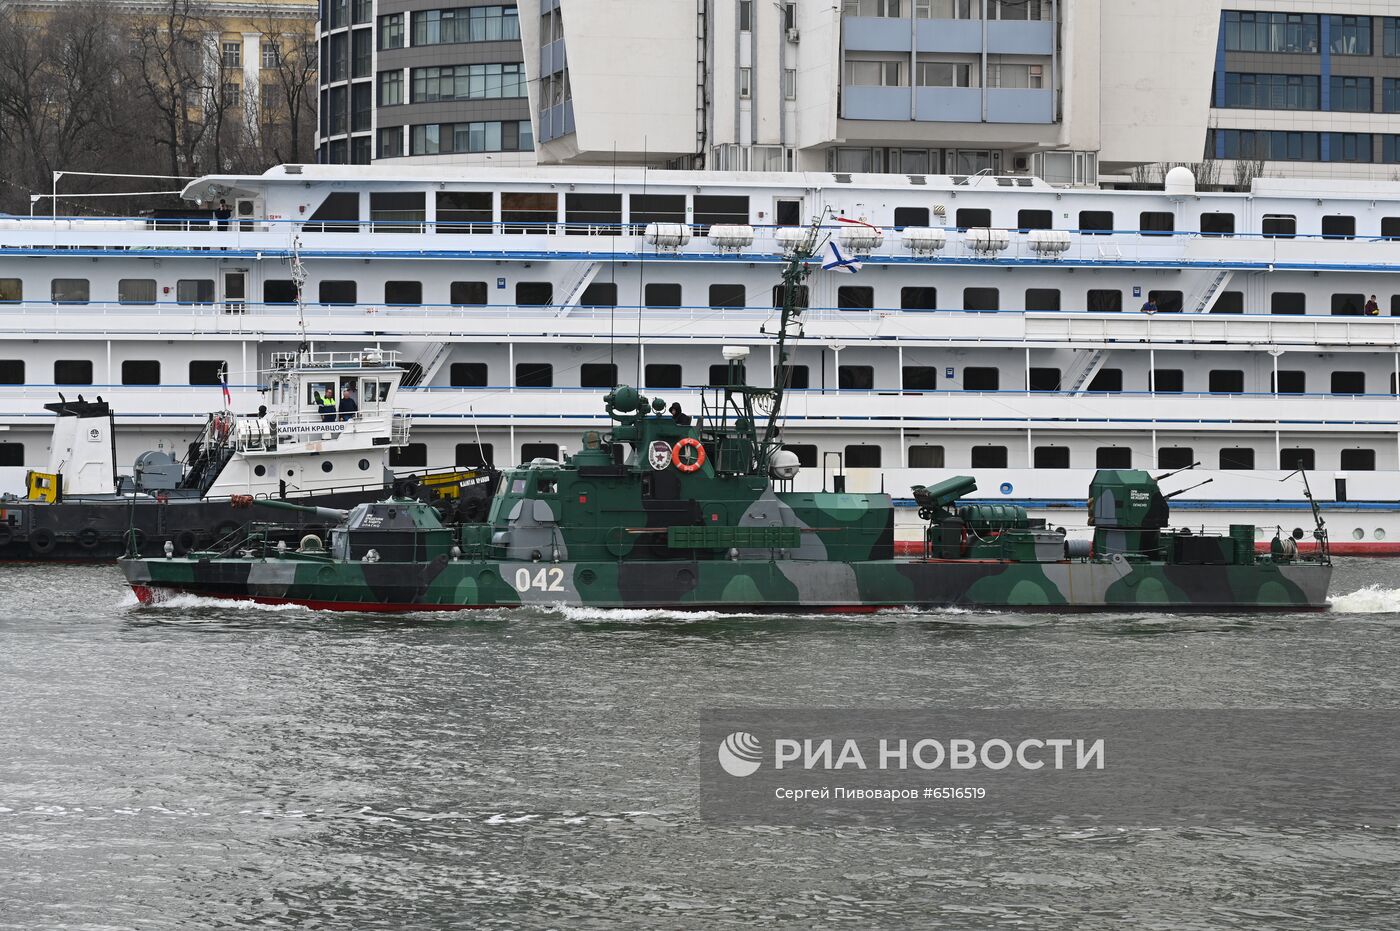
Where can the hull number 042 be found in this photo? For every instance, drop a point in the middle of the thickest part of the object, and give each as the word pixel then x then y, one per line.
pixel 544 580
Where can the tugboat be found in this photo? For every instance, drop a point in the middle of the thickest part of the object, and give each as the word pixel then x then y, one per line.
pixel 660 512
pixel 291 449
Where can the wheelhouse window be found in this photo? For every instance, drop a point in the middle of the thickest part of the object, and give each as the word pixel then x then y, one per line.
pixel 981 299
pixel 1297 458
pixel 1042 299
pixel 1107 380
pixel 397 211
pixel 413 455
pixel 1043 379
pixel 11 454
pixel 1096 222
pixel 1103 300
pixel 918 298
pixel 279 291
pixel 1288 302
pixel 806 454
pixel 727 295
pixel 11 290
pixel 1168 381
pixel 1113 457
pixel 1035 220
pixel 1217 224
pixel 1226 381
pixel 1229 302
pixel 599 294
pixel 1348 382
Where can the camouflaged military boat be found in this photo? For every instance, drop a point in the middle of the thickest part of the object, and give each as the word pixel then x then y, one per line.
pixel 657 512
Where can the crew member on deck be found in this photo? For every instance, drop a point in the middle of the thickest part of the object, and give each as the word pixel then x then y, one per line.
pixel 348 407
pixel 223 213
pixel 327 405
pixel 681 418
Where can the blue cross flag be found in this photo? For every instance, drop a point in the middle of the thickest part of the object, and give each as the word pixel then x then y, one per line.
pixel 838 261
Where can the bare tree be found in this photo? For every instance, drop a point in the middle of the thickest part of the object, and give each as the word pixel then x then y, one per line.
pixel 289 114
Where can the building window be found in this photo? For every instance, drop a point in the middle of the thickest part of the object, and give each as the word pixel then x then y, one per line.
pixel 1278 146
pixel 1352 94
pixel 391 31
pixel 789 83
pixel 361 96
pixel 981 378
pixel 391 143
pixel 855 377
pixel 1271 32
pixel 72 372
pixel 1358 460
pixel 988 457
pixel 468 294
pixel 233 55
pixel 534 294
pixel 875 74
pixel 469 82
pixel 746 15
pixel 271 54
pixel 140 372
pixel 1168 381
pixel 361 53
pixel 1390 95
pixel 1237 459
pixel 1350 147
pixel 1015 75
pixel 233 96
pixel 493 136
pixel 534 375
pixel 862 457
pixel 1226 381
pixel 1272 91
pixel 1351 35
pixel 207 371
pixel 1390 149
pixel 745 83
pixel 473 24
pixel 1290 381
pixel 1051 457
pixel 468 375
pixel 1297 458
pixel 920 378
pixel 945 74
pixel 597 375
pixel 981 299
pixel 390 88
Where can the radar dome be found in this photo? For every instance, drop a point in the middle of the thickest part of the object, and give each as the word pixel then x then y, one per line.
pixel 784 464
pixel 1180 181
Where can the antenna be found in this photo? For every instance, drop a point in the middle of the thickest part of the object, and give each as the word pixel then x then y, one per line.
pixel 790 324
pixel 1320 525
pixel 299 282
pixel 641 271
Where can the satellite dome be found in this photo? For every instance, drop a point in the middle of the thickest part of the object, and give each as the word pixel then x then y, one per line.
pixel 1180 181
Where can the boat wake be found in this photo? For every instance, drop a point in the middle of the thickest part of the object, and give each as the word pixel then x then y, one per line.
pixel 1369 600
pixel 184 602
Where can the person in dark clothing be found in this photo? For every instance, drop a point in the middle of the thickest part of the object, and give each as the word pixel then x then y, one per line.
pixel 327 407
pixel 348 407
pixel 681 418
pixel 222 213
pixel 1372 308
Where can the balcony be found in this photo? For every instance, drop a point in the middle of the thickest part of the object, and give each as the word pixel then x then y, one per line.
pixel 1019 105
pixel 861 102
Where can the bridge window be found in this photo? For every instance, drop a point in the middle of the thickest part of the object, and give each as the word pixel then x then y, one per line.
pixel 534 375
pixel 855 377
pixel 1051 457
pixel 137 291
pixel 1291 381
pixel 1299 458
pixel 534 294
pixel 1339 227
pixel 336 292
pixel 1107 380
pixel 1237 459
pixel 1043 379
pixel 920 378
pixel 397 211
pixel 11 371
pixel 277 291
pixel 918 298
pixel 1358 460
pixel 1226 381
pixel 599 294
pixel 1348 305
pixel 1113 457
pixel 403 293
pixel 926 457
pixel 467 294
pixel 532 451
pixel 468 375
pixel 1035 220
pixel 910 216
pixel 855 297
pixel 140 372
pixel 597 375
pixel 11 454
pixel 1217 224
pixel 475 455
pixel 1096 222
pixel 806 454
pixel 1348 382
pixel 1042 299
pixel 72 290
pixel 1171 381
pixel 1229 302
pixel 206 371
pixel 727 295
pixel 663 295
pixel 72 372
pixel 862 457
pixel 1156 222
pixel 1288 302
pixel 660 375
pixel 981 299
pixel 1104 300
pixel 981 378
pixel 1175 457
pixel 413 456
pixel 11 290
pixel 988 457
pixel 798 376
pixel 463 211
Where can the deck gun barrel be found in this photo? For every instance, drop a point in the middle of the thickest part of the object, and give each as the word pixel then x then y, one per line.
pixel 1167 475
pixel 1182 491
pixel 331 514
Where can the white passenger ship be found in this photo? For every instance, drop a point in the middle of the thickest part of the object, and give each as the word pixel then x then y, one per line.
pixel 999 327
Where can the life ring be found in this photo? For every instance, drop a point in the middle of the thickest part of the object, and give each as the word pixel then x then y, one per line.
pixel 42 541
pixel 88 538
pixel 6 534
pixel 689 442
pixel 185 541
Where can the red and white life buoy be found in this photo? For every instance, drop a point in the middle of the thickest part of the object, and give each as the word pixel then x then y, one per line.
pixel 680 462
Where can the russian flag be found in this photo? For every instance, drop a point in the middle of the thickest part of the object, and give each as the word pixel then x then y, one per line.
pixel 223 383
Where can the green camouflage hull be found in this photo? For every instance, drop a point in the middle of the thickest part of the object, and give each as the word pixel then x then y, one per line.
pixel 738 585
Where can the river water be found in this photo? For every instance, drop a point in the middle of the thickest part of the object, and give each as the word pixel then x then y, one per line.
pixel 205 766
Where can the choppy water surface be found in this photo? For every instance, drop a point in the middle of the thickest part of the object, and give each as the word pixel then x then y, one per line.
pixel 205 766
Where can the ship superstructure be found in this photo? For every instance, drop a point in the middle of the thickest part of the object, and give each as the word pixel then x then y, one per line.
pixel 1000 324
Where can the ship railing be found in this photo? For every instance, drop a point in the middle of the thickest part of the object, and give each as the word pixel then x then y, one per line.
pixel 376 357
pixel 400 422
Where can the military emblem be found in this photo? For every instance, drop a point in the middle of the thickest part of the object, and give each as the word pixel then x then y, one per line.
pixel 659 455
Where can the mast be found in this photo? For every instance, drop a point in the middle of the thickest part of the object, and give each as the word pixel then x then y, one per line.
pixel 795 272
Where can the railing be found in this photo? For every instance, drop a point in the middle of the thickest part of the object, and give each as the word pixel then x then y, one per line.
pixel 387 358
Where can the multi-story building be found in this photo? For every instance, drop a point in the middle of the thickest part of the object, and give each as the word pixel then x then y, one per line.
pixel 1060 88
pixel 1307 88
pixel 423 81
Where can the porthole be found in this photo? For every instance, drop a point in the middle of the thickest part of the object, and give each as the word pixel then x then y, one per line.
pixel 1379 534
pixel 326 466
pixel 259 470
pixel 290 473
pixel 364 465
pixel 1358 534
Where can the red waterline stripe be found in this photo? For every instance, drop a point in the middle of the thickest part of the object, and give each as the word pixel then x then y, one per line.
pixel 1338 547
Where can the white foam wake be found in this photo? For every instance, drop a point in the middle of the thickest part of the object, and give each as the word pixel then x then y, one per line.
pixel 1369 600
pixel 186 602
